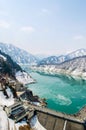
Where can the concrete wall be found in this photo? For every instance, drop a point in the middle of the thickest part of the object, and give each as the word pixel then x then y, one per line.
pixel 52 122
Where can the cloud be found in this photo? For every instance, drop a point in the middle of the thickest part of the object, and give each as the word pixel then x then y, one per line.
pixel 4 24
pixel 29 29
pixel 78 37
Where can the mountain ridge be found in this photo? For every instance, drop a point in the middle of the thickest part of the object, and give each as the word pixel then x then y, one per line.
pixel 54 60
pixel 75 67
pixel 18 55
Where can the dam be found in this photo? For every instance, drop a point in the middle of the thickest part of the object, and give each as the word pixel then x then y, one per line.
pixel 53 120
pixel 49 119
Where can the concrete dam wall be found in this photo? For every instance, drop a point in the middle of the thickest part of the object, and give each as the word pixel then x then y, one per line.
pixel 54 122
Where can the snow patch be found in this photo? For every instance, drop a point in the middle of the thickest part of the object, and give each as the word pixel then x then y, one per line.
pixel 35 124
pixel 24 78
pixel 3 57
pixel 4 101
pixel 22 123
pixel 9 92
pixel 36 103
pixel 11 125
pixel 3 120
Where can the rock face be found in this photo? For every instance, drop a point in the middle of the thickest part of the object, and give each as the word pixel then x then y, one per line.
pixel 25 127
pixel 7 65
pixel 74 67
pixel 18 55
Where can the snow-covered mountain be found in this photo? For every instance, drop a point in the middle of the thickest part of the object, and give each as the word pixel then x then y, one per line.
pixel 74 67
pixel 49 60
pixel 41 56
pixel 77 53
pixel 7 65
pixel 53 60
pixel 18 55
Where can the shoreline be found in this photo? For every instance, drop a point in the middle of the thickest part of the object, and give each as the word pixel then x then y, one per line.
pixel 58 72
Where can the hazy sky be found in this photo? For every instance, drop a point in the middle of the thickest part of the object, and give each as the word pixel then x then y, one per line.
pixel 44 26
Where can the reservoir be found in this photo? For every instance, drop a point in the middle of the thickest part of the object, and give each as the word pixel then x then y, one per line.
pixel 62 93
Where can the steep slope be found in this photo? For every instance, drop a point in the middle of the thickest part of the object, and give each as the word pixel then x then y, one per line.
pixel 18 55
pixel 74 67
pixel 53 60
pixel 77 53
pixel 49 60
pixel 7 65
pixel 76 64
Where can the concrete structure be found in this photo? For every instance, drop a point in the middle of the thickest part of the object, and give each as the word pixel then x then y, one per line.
pixel 54 122
pixel 50 119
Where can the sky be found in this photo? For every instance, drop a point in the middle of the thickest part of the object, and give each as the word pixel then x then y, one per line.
pixel 44 26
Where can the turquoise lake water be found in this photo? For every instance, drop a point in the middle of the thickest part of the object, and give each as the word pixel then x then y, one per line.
pixel 62 93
